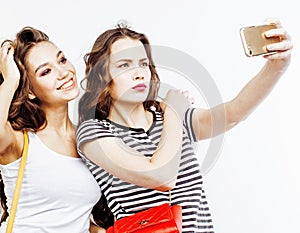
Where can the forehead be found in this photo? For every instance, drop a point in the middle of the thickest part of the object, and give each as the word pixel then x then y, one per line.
pixel 127 48
pixel 41 53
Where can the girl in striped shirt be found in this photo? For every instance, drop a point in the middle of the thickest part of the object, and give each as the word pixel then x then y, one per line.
pixel 138 148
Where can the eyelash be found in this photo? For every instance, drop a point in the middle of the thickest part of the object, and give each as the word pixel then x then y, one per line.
pixel 63 60
pixel 45 72
pixel 145 64
pixel 125 65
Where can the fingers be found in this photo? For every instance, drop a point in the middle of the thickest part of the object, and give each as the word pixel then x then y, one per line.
pixel 275 21
pixel 279 55
pixel 6 47
pixel 283 48
pixel 188 96
pixel 11 50
pixel 179 101
pixel 177 97
pixel 8 66
pixel 7 50
pixel 277 32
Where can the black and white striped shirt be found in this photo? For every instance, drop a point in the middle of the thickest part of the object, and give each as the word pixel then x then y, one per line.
pixel 125 198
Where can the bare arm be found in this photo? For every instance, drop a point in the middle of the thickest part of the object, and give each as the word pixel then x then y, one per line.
pixel 158 172
pixel 95 229
pixel 209 123
pixel 11 76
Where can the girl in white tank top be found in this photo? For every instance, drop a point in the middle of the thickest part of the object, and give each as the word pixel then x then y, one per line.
pixel 58 191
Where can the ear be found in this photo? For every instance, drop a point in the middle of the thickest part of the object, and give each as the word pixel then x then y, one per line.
pixel 31 96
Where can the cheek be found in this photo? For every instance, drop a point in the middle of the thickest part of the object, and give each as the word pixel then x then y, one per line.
pixel 71 68
pixel 120 86
pixel 42 87
pixel 147 74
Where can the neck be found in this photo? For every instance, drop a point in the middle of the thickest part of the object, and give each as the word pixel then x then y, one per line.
pixel 58 120
pixel 131 115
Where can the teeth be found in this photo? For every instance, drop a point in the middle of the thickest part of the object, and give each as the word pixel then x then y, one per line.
pixel 67 85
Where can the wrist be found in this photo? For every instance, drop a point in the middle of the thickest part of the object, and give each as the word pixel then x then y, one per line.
pixel 12 84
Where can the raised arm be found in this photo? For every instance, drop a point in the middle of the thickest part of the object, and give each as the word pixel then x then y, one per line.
pixel 158 172
pixel 11 76
pixel 211 122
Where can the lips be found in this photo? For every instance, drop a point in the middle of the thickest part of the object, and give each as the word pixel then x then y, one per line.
pixel 67 85
pixel 139 87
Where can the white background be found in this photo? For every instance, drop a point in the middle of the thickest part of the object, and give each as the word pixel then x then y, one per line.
pixel 254 186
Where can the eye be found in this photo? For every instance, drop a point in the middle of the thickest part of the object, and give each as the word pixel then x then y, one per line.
pixel 124 65
pixel 63 60
pixel 45 72
pixel 145 64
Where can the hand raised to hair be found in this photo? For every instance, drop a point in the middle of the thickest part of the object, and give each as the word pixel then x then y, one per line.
pixel 8 67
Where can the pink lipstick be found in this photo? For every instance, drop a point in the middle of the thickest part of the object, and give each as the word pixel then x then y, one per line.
pixel 139 87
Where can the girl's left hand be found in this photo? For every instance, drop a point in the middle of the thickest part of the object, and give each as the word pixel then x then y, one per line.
pixel 282 49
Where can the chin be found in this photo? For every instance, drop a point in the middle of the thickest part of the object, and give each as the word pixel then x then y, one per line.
pixel 75 93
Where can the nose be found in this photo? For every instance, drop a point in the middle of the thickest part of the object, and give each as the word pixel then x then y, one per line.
pixel 138 77
pixel 62 73
pixel 138 74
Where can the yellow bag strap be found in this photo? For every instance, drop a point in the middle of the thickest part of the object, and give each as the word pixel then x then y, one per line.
pixel 17 191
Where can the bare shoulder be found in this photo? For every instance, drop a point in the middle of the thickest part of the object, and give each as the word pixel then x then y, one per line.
pixel 202 123
pixel 202 115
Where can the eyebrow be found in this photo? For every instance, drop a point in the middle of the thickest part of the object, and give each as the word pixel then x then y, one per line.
pixel 144 59
pixel 123 60
pixel 45 64
pixel 129 60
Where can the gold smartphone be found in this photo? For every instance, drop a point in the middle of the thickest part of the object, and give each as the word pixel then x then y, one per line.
pixel 254 40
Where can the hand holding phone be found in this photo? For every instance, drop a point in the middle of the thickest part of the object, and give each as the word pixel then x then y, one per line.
pixel 254 40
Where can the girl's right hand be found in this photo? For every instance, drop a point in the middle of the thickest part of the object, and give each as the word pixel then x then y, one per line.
pixel 179 101
pixel 8 66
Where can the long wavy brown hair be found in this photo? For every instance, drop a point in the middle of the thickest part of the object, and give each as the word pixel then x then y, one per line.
pixel 96 101
pixel 24 113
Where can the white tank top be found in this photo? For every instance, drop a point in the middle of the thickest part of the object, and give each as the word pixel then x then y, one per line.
pixel 58 192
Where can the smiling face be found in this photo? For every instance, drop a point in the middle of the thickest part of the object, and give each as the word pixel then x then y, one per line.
pixel 129 69
pixel 52 76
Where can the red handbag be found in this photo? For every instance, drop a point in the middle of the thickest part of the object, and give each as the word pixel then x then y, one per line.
pixel 160 219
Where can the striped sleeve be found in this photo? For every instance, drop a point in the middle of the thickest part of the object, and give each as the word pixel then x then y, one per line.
pixel 91 130
pixel 188 123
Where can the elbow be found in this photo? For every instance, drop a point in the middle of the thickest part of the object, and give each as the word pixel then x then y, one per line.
pixel 157 183
pixel 167 186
